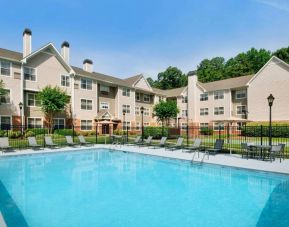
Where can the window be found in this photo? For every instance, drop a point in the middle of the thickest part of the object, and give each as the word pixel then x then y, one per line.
pixel 137 96
pixel 34 122
pixel 86 104
pixel 161 98
pixel 219 126
pixel 86 84
pixel 146 98
pixel 219 110
pixel 65 81
pixel 204 97
pixel 32 100
pixel 126 92
pixel 241 110
pixel 58 123
pixel 137 126
pixel 86 124
pixel 5 68
pixel 184 99
pixel 5 99
pixel 204 111
pixel 184 126
pixel 29 74
pixel 184 113
pixel 204 125
pixel 146 111
pixel 218 95
pixel 104 105
pixel 126 108
pixel 145 124
pixel 137 110
pixel 241 94
pixel 126 125
pixel 240 125
pixel 104 89
pixel 5 122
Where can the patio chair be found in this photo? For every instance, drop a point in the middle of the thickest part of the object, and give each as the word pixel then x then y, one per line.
pixel 69 141
pixel 218 146
pixel 196 145
pixel 282 153
pixel 4 144
pixel 246 149
pixel 136 141
pixel 146 142
pixel 82 141
pixel 275 150
pixel 162 143
pixel 48 142
pixel 178 145
pixel 33 143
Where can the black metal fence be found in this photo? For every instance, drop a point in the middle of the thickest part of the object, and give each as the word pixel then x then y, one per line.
pixel 233 136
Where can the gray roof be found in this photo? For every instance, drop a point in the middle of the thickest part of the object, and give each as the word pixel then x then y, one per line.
pixel 132 80
pixel 170 92
pixel 236 82
pixel 12 55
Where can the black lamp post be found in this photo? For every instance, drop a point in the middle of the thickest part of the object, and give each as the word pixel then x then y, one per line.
pixel 142 129
pixel 270 103
pixel 21 107
pixel 123 114
pixel 179 118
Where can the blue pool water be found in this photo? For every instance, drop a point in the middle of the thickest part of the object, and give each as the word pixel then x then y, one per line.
pixel 103 188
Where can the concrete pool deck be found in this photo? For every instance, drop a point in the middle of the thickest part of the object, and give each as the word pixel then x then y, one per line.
pixel 233 160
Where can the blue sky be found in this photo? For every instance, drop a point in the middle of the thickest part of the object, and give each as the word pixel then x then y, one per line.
pixel 127 37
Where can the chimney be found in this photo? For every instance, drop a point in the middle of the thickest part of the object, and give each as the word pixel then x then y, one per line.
pixel 88 65
pixel 65 51
pixel 27 45
pixel 192 95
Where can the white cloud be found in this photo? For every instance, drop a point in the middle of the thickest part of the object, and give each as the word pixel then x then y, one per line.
pixel 278 4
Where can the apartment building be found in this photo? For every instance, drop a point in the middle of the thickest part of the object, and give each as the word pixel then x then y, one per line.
pixel 111 102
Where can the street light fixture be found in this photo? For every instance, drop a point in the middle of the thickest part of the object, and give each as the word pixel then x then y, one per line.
pixel 142 129
pixel 123 127
pixel 21 107
pixel 270 103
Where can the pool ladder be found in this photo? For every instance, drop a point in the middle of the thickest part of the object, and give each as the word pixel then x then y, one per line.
pixel 202 161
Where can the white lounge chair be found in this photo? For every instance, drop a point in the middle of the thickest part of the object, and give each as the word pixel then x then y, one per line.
pixel 146 142
pixel 136 141
pixel 162 143
pixel 49 142
pixel 178 145
pixel 82 141
pixel 33 143
pixel 4 144
pixel 69 141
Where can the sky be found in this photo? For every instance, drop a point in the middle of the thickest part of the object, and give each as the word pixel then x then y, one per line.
pixel 128 37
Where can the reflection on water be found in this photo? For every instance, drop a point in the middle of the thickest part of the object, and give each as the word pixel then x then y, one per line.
pixel 42 182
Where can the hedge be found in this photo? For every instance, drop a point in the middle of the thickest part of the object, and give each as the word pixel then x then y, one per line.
pixel 155 132
pixel 206 131
pixel 64 132
pixel 255 129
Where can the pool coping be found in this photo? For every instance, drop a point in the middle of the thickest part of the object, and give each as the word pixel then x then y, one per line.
pixel 220 159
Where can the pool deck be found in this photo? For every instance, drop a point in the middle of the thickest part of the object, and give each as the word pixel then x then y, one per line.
pixel 220 159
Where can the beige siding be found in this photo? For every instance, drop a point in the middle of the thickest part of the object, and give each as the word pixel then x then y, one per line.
pixel 143 84
pixel 272 79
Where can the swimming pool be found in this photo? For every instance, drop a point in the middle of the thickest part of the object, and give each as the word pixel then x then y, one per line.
pixel 105 188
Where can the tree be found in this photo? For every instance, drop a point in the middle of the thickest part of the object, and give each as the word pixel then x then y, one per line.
pixel 151 81
pixel 2 89
pixel 165 110
pixel 53 100
pixel 172 77
pixel 211 70
pixel 283 54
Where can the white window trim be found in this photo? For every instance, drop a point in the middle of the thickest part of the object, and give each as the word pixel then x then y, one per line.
pixel 10 91
pixel 61 81
pixel 6 116
pixel 127 106
pixel 215 125
pixel 218 92
pixel 35 74
pixel 149 100
pixel 86 125
pixel 207 95
pixel 146 110
pixel 219 110
pixel 242 112
pixel 86 104
pixel 102 85
pixel 60 118
pixel 35 118
pixel 85 89
pixel 100 105
pixel 135 111
pixel 28 99
pixel 10 68
pixel 239 91
pixel 204 111
pixel 136 96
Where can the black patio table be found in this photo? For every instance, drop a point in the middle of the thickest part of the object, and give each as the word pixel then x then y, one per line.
pixel 261 148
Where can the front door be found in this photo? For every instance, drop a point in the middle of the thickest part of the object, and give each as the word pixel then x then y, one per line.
pixel 105 129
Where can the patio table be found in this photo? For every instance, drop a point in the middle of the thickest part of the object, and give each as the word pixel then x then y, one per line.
pixel 261 148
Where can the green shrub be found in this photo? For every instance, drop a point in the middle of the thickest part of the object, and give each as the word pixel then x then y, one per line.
pixel 36 131
pixel 87 133
pixel 29 133
pixel 118 132
pixel 3 133
pixel 155 132
pixel 14 134
pixel 257 129
pixel 64 132
pixel 206 131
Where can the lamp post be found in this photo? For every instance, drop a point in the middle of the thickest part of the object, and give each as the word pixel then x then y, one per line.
pixel 21 107
pixel 270 103
pixel 142 129
pixel 123 128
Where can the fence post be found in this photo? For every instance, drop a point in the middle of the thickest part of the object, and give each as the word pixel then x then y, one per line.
pixel 219 132
pixel 245 132
pixel 187 135
pixel 261 134
pixel 96 134
pixel 73 133
pixel 126 134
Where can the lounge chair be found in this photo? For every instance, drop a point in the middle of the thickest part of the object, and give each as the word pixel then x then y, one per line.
pixel 162 143
pixel 196 145
pixel 49 142
pixel 178 145
pixel 218 146
pixel 282 153
pixel 33 143
pixel 82 141
pixel 146 142
pixel 69 141
pixel 136 141
pixel 4 144
pixel 275 150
